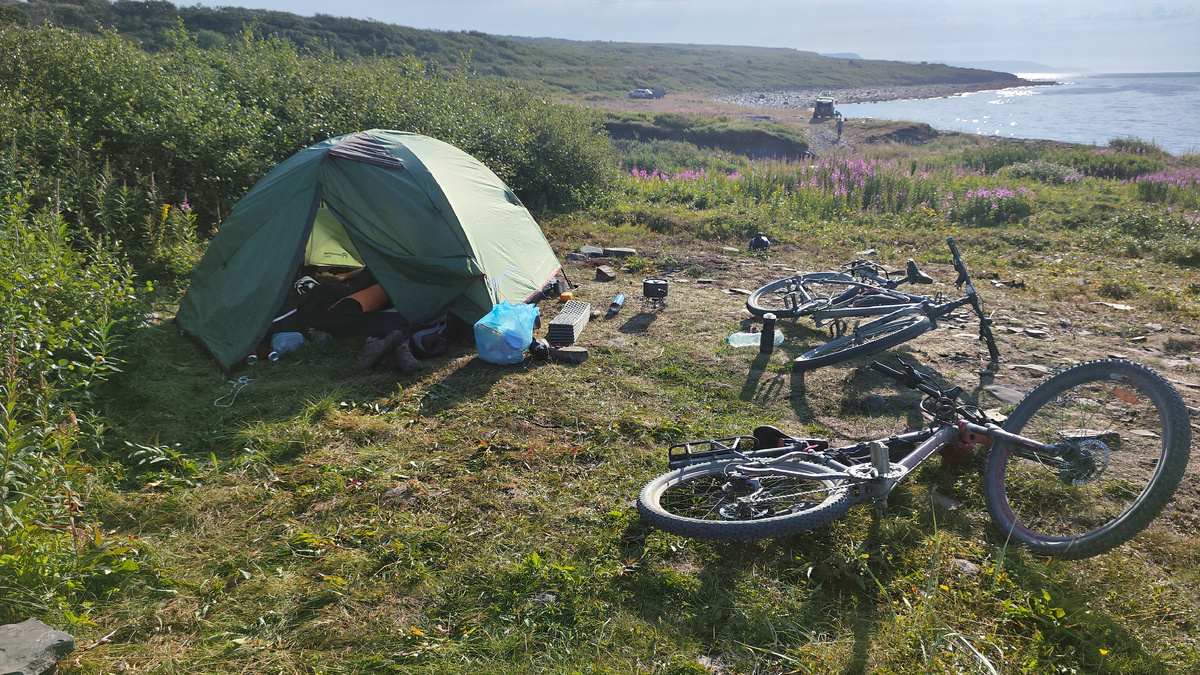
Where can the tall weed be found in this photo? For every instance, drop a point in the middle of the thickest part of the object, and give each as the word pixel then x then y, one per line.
pixel 64 294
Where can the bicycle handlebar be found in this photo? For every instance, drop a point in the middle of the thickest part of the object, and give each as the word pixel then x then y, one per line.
pixel 959 265
pixel 976 303
pixel 887 370
pixel 909 378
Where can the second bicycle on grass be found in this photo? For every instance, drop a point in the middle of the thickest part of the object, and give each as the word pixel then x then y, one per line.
pixel 903 323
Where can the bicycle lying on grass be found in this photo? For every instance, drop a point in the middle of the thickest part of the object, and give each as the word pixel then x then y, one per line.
pixel 864 289
pixel 1082 464
pixel 909 317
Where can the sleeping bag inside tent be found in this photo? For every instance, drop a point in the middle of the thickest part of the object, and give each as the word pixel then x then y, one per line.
pixel 438 230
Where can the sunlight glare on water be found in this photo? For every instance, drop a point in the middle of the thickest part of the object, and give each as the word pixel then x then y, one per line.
pixel 1157 107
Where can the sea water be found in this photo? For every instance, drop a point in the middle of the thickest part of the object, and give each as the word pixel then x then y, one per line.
pixel 1162 108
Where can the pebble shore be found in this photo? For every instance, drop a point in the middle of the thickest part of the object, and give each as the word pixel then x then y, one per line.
pixel 804 98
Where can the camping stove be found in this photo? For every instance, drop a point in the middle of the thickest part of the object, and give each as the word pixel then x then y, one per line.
pixel 655 293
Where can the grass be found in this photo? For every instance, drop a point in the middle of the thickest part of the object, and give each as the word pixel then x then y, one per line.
pixel 481 518
pixel 478 518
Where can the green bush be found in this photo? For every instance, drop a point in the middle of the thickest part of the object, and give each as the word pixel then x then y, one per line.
pixel 65 296
pixel 1109 162
pixel 1043 172
pixel 1169 237
pixel 671 157
pixel 1135 145
pixel 992 159
pixel 985 206
pixel 205 124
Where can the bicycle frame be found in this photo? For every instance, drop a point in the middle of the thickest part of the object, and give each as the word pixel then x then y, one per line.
pixel 930 308
pixel 1082 464
pixel 845 309
pixel 862 277
pixel 874 480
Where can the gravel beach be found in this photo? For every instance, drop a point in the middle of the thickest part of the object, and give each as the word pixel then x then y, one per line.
pixel 803 98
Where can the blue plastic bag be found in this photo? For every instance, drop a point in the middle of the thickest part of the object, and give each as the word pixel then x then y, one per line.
pixel 503 335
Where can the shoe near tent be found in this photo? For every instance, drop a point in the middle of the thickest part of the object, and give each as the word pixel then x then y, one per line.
pixel 435 226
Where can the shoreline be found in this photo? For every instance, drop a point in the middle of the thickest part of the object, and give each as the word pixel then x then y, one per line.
pixel 804 97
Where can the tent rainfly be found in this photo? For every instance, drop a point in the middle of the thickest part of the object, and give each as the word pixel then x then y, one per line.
pixel 435 226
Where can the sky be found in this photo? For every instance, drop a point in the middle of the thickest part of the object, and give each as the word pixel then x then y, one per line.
pixel 1102 36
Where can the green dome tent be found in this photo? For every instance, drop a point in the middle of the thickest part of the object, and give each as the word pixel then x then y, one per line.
pixel 437 228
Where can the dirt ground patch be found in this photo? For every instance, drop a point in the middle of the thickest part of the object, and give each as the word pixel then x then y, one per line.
pixel 1038 329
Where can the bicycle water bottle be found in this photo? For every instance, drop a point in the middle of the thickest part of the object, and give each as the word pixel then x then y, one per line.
pixel 767 343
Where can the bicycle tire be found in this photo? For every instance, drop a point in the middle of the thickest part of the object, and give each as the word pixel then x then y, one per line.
pixel 868 339
pixel 694 502
pixel 1134 426
pixel 767 300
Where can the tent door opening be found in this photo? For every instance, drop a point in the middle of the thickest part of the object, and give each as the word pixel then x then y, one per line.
pixel 329 245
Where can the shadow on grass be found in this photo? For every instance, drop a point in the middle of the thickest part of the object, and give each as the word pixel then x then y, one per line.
pixel 709 601
pixel 638 323
pixel 754 377
pixel 175 393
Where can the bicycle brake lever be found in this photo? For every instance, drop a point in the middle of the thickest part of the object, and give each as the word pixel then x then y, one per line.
pixel 912 377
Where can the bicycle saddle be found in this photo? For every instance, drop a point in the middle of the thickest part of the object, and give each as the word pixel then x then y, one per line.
pixel 767 436
pixel 915 275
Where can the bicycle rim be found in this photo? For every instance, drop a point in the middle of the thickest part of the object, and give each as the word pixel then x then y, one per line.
pixel 868 339
pixel 714 500
pixel 784 299
pixel 1128 429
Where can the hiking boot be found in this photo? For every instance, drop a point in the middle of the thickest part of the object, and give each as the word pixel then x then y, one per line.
pixel 428 345
pixel 376 348
pixel 405 359
pixel 540 349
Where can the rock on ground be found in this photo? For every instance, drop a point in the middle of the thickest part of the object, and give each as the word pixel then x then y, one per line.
pixel 32 648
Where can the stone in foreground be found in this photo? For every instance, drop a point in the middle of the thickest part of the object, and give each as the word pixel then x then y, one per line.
pixel 32 648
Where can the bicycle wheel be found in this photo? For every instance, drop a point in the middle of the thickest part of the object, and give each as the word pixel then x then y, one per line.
pixel 1124 439
pixel 870 338
pixel 801 295
pixel 714 500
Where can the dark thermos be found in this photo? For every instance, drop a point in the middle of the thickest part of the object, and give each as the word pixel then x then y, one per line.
pixel 767 343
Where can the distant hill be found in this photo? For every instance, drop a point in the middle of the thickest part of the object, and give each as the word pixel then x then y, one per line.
pixel 1015 66
pixel 562 66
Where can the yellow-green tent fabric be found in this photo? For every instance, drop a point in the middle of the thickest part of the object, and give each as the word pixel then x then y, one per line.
pixel 439 230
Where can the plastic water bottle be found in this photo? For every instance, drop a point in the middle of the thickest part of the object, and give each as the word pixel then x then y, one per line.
pixel 744 339
pixel 283 343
